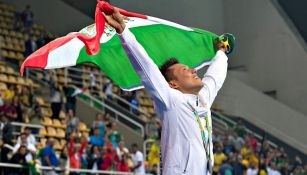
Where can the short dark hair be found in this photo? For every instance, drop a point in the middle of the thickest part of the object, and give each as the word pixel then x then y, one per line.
pixel 165 66
pixel 134 145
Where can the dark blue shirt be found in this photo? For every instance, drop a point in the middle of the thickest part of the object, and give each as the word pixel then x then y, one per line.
pixel 49 151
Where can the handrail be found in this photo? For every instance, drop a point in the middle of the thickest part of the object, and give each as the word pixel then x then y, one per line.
pixel 247 130
pixel 131 105
pixel 113 95
pixel 70 169
pixel 117 113
pixel 26 124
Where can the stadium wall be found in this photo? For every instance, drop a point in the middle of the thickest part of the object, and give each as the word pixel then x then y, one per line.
pixel 206 14
pixel 58 17
pixel 271 51
pixel 238 99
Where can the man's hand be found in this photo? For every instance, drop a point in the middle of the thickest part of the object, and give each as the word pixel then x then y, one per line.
pixel 219 45
pixel 116 20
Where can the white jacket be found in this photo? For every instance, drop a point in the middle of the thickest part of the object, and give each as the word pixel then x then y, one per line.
pixel 181 143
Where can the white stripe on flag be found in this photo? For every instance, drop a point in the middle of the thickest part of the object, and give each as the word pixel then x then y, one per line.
pixel 169 23
pixel 65 55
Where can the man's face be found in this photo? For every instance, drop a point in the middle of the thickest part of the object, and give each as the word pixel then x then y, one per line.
pixel 23 139
pixel 184 79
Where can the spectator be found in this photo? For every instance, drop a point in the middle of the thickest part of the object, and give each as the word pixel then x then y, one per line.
pixel 41 41
pixel 56 100
pixel 114 136
pixel 154 157
pixel 99 123
pixel 238 167
pixel 75 151
pixel 70 97
pixel 154 154
pixel 96 139
pixel 226 168
pixel 71 123
pixel 107 158
pixel 30 46
pixel 3 155
pixel 137 159
pixel 134 110
pixel 94 158
pixel 251 140
pixel 121 150
pixel 25 97
pixel 252 170
pixel 123 165
pixel 18 22
pixel 238 142
pixel 24 142
pixel 49 157
pixel 35 115
pixel 30 137
pixel 27 16
pixel 64 163
pixel 108 89
pixel 219 158
pixel 92 82
pixel 240 129
pixel 9 110
pixel 9 93
pixel 7 130
pixel 19 158
pixel 16 105
pixel 107 120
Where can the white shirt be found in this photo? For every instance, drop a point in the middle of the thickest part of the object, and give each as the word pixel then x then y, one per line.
pixel 251 171
pixel 30 139
pixel 138 157
pixel 29 146
pixel 272 171
pixel 181 143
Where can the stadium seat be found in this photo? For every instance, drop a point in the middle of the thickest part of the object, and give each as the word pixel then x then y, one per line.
pixel 3 78
pixel 12 79
pixel 42 132
pixel 47 121
pixel 12 55
pixel 21 81
pixel 60 133
pixel 3 86
pixel 51 132
pixel 82 127
pixel 10 70
pixel 19 55
pixel 4 53
pixel 56 123
pixel 57 145
pixel 2 69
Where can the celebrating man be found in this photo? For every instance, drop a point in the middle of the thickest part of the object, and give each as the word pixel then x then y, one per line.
pixel 183 101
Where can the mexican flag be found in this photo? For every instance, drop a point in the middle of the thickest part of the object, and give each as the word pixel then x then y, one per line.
pixel 99 44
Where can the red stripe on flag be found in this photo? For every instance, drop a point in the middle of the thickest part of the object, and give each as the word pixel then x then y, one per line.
pixel 39 58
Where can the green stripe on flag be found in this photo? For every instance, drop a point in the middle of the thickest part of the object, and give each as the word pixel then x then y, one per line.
pixel 161 43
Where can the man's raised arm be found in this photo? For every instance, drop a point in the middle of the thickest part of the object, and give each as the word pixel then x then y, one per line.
pixel 214 77
pixel 150 74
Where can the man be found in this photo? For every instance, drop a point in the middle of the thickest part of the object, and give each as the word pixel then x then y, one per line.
pixel 24 142
pixel 183 101
pixel 30 137
pixel 49 157
pixel 138 160
pixel 96 139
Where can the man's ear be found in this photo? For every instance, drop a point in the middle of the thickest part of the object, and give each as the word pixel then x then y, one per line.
pixel 173 84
